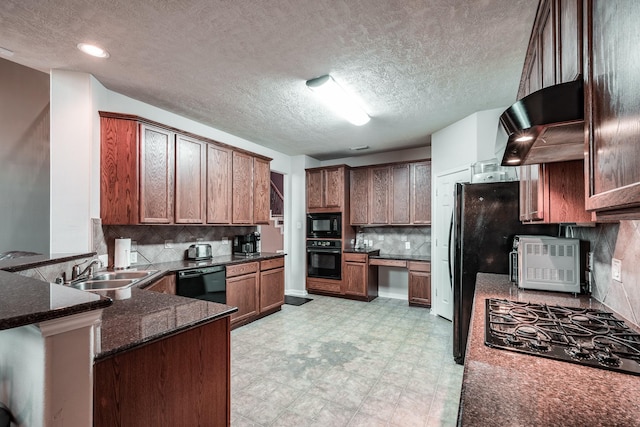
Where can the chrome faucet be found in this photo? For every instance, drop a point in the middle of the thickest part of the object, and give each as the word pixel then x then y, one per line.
pixel 87 272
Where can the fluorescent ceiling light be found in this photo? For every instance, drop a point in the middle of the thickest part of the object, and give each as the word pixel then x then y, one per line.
pixel 93 50
pixel 338 100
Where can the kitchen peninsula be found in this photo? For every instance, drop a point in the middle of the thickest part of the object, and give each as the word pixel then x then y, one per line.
pixel 502 387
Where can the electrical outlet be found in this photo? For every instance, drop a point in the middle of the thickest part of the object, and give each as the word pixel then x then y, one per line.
pixel 225 241
pixel 616 269
pixel 168 244
pixel 380 238
pixel 407 245
pixel 133 257
pixel 370 243
pixel 590 261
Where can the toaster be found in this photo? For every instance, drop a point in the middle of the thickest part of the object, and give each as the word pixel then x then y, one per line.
pixel 199 251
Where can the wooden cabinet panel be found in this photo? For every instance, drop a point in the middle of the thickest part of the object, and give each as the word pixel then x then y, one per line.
pixel 334 188
pixel 420 288
pixel 271 289
pixel 399 208
pixel 314 190
pixel 219 176
pixel 242 292
pixel 268 264
pixel 532 200
pixel 379 196
pixel 421 193
pixel 324 285
pixel 119 197
pixel 547 45
pixel 243 268
pixel 190 190
pixel 326 189
pixel 359 196
pixel 156 175
pixel 242 198
pixel 165 382
pixel 355 276
pixel 569 36
pixel 165 285
pixel 261 190
pixel 612 108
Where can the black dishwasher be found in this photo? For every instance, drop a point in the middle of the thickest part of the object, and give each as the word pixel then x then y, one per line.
pixel 207 283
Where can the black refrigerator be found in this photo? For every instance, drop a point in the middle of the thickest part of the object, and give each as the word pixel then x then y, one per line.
pixel 485 218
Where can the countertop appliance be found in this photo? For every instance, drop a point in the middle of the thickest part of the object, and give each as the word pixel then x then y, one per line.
pixel 485 220
pixel 546 263
pixel 584 336
pixel 206 283
pixel 324 225
pixel 246 244
pixel 324 259
pixel 199 251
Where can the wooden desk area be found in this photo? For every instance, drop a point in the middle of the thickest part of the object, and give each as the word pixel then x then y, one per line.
pixel 419 277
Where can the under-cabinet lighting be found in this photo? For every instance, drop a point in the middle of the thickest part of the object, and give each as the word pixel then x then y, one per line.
pixel 524 138
pixel 336 98
pixel 93 50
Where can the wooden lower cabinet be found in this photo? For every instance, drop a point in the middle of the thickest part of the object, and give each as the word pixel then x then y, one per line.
pixel 271 284
pixel 360 279
pixel 329 286
pixel 181 380
pixel 165 285
pixel 419 283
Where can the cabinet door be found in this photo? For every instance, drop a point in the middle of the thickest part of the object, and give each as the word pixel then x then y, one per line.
pixel 355 278
pixel 242 205
pixel 219 175
pixel 242 292
pixel 547 45
pixel 420 288
pixel 531 193
pixel 379 205
pixel 314 190
pixel 156 175
pixel 613 107
pixel 271 289
pixel 261 190
pixel 359 196
pixel 333 188
pixel 569 56
pixel 421 193
pixel 399 208
pixel 190 180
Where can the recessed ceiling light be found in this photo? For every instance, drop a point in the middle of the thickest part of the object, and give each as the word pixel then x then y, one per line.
pixel 336 98
pixel 93 50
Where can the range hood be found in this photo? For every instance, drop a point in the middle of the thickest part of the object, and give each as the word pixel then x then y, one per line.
pixel 545 126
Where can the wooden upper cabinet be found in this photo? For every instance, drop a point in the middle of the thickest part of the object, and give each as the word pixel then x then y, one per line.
pixel 547 45
pixel 242 199
pixel 400 206
pixel 531 193
pixel 569 38
pixel 156 175
pixel 326 189
pixel 191 192
pixel 379 195
pixel 219 177
pixel 359 196
pixel 421 193
pixel 612 108
pixel 261 190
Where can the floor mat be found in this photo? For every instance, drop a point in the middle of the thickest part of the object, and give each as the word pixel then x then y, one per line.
pixel 291 300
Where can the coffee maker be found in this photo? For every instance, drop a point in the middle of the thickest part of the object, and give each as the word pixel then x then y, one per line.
pixel 246 244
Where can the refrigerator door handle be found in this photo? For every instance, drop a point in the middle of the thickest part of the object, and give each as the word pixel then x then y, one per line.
pixel 450 236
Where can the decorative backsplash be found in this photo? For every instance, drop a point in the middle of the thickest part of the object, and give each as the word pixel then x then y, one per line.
pixel 621 241
pixel 151 241
pixel 394 240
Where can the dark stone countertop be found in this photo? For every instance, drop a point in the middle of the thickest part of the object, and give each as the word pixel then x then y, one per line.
pixel 502 387
pixel 174 266
pixel 33 261
pixel 369 251
pixel 404 257
pixel 24 301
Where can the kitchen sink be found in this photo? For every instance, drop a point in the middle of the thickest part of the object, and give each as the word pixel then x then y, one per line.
pixel 114 284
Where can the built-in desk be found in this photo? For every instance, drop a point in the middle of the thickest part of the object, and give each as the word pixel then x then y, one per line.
pixel 419 292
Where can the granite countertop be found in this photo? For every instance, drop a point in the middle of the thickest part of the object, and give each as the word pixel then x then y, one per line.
pixel 24 301
pixel 174 266
pixel 502 387
pixel 404 257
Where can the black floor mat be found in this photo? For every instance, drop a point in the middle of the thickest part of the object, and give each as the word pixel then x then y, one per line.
pixel 291 300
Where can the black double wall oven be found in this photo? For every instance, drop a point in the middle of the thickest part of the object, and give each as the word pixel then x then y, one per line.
pixel 324 245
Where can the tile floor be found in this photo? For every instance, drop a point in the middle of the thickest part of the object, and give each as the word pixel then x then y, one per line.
pixel 337 362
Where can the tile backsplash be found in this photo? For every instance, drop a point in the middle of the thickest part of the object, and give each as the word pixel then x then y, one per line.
pixel 150 240
pixel 621 241
pixel 393 240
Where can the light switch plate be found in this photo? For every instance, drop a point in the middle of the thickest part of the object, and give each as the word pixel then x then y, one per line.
pixel 168 244
pixel 616 269
pixel 407 245
pixel 225 241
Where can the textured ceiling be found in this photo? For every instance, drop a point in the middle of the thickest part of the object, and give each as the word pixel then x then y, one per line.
pixel 241 66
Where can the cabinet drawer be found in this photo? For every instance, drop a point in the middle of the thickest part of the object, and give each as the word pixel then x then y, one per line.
pixel 419 266
pixel 324 285
pixel 349 257
pixel 240 269
pixel 388 262
pixel 269 264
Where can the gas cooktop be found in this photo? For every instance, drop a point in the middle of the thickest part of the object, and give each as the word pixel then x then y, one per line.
pixel 579 335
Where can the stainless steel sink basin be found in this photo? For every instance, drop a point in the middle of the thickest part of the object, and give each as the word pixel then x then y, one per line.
pixel 115 284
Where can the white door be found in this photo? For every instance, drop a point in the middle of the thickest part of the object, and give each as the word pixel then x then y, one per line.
pixel 441 281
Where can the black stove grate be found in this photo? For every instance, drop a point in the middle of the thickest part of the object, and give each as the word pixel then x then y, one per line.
pixel 584 336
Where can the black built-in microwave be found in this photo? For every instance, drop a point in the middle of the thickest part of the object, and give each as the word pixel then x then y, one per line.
pixel 324 225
